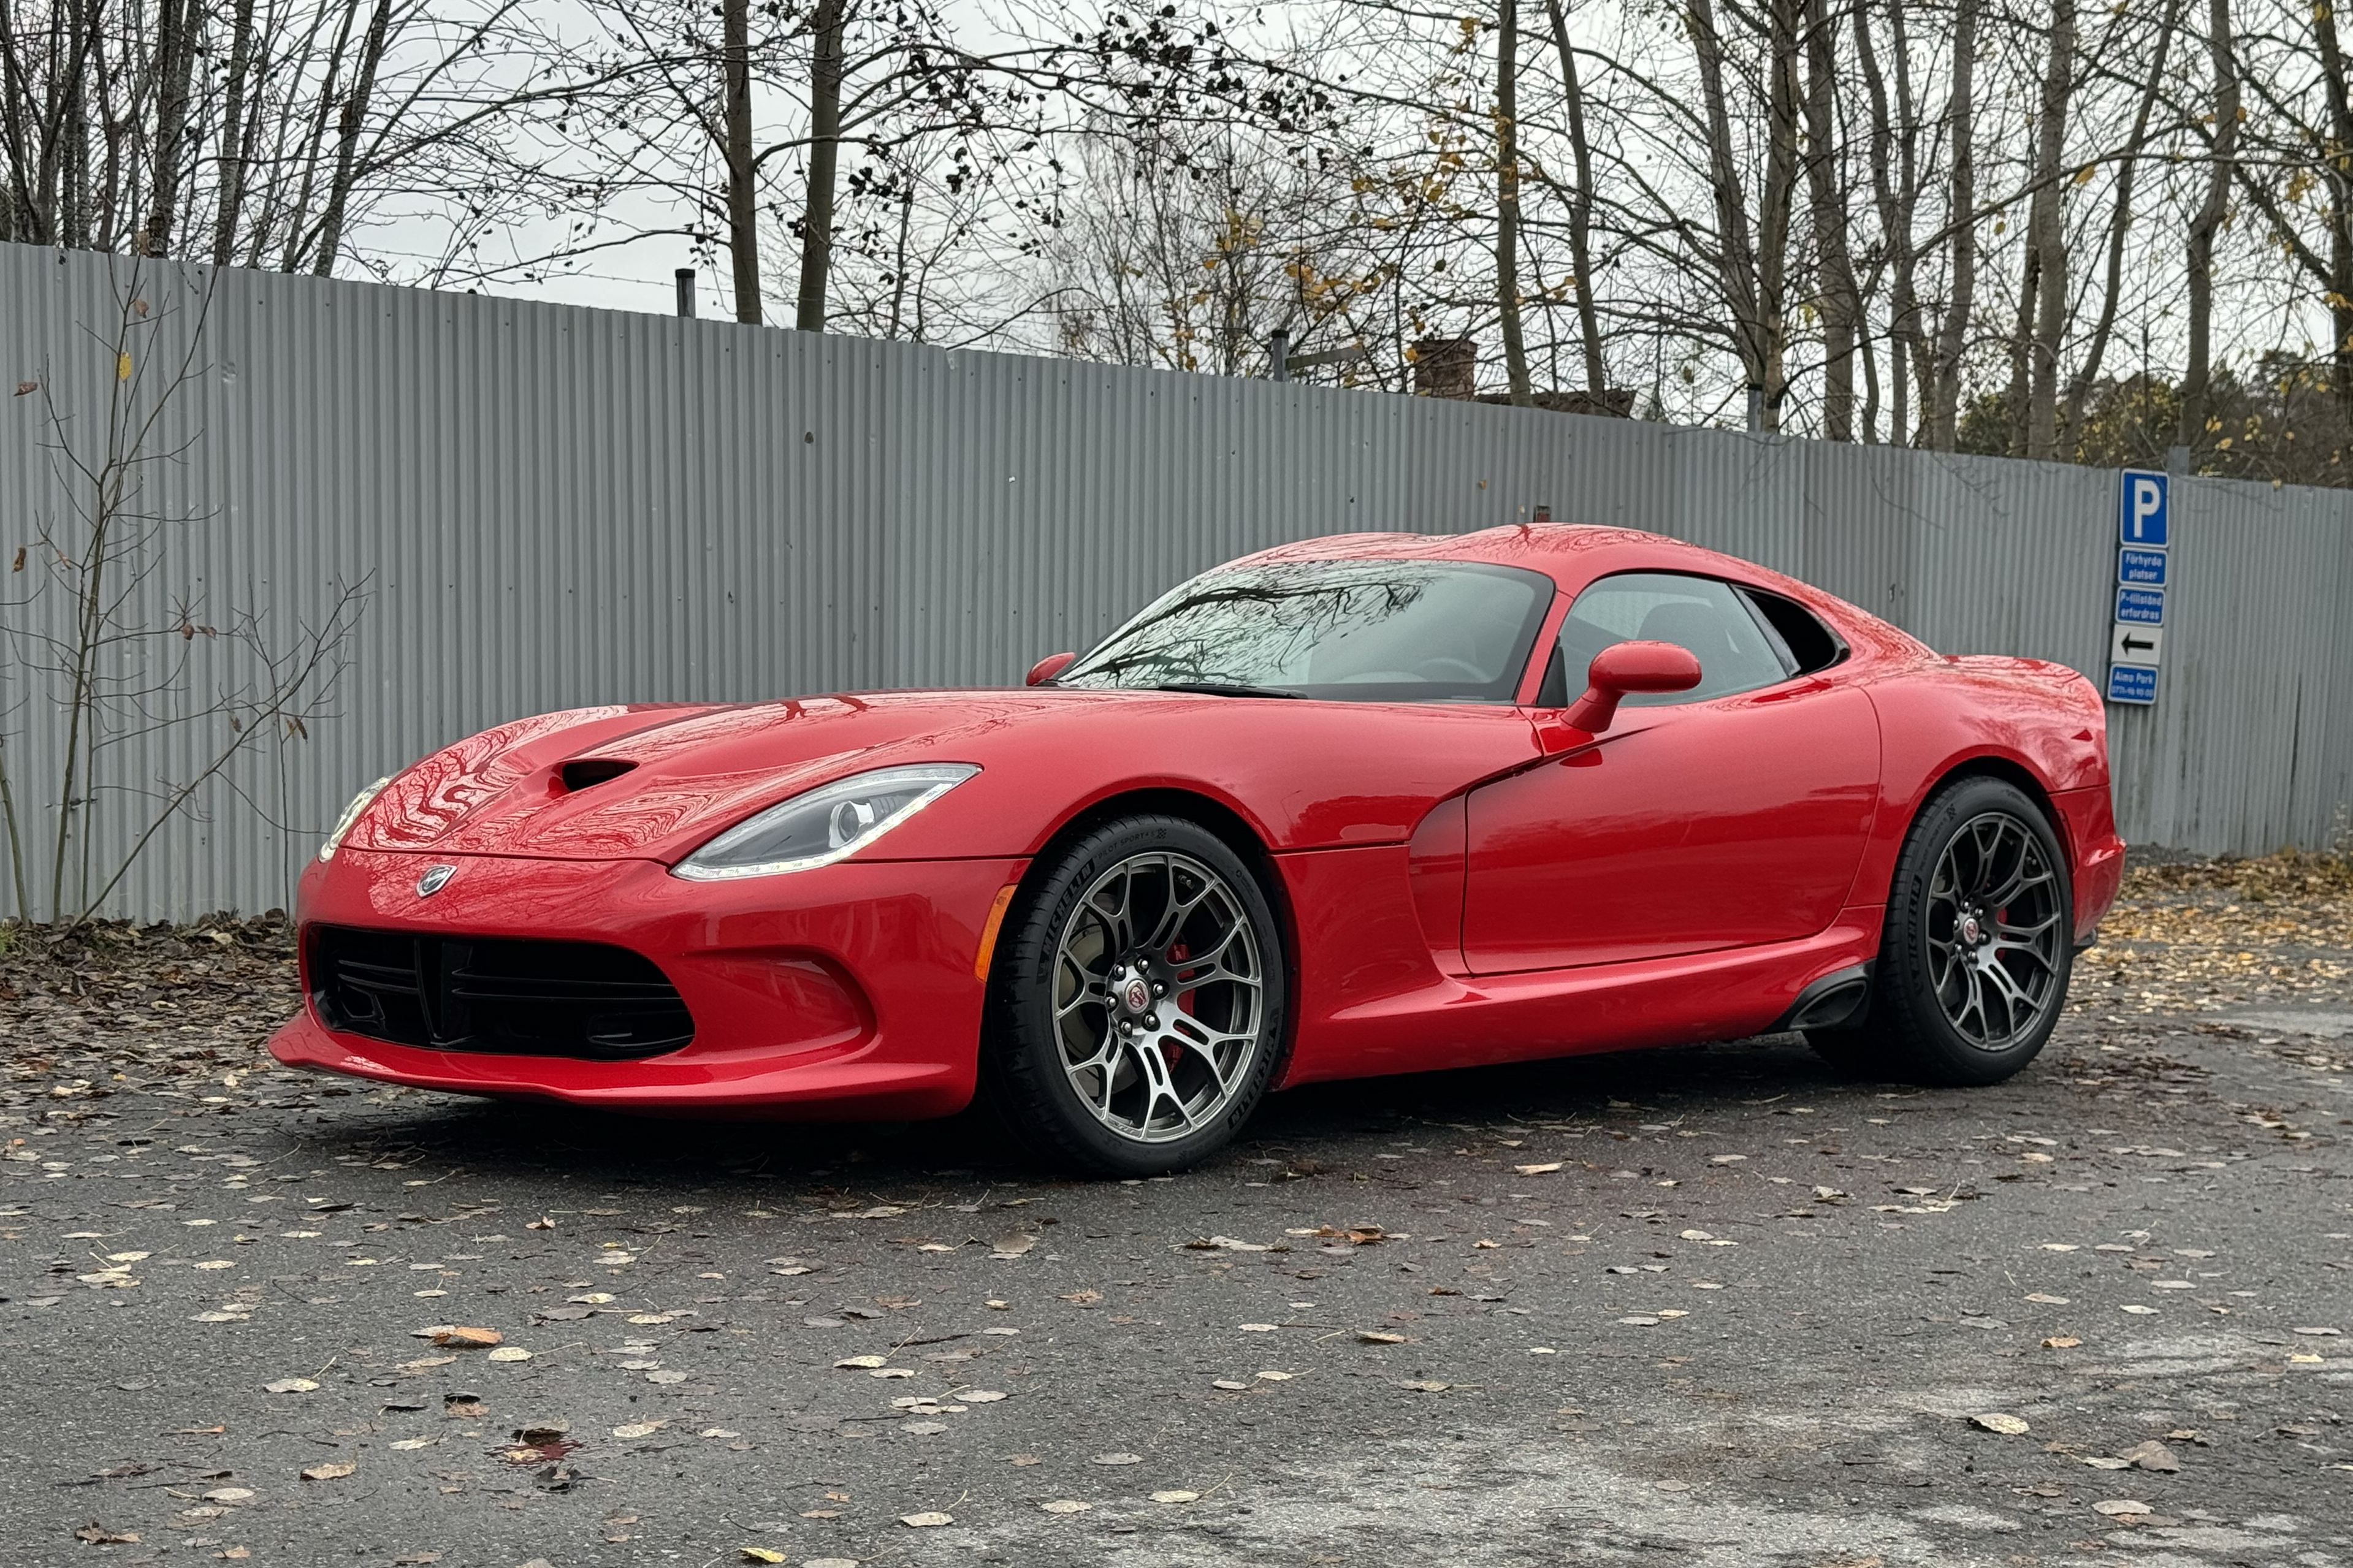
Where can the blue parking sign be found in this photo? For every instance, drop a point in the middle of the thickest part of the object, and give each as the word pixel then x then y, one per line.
pixel 2141 511
pixel 2132 683
pixel 2142 606
pixel 2143 567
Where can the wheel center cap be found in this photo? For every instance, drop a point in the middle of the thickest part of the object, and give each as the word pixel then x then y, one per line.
pixel 1970 929
pixel 1135 996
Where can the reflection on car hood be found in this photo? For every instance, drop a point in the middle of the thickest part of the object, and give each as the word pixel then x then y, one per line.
pixel 696 769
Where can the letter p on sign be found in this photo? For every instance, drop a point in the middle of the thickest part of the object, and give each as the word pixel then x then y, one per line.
pixel 2144 514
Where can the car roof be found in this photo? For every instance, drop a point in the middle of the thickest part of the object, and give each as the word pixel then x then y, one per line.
pixel 1572 554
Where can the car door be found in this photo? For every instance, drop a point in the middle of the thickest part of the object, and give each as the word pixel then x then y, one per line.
pixel 1731 815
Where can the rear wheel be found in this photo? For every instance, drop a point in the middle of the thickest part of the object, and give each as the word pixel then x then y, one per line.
pixel 1137 1004
pixel 1977 949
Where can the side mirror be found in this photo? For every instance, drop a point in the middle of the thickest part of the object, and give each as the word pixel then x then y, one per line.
pixel 1054 664
pixel 1629 667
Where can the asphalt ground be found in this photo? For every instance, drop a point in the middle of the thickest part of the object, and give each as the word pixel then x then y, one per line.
pixel 1706 1305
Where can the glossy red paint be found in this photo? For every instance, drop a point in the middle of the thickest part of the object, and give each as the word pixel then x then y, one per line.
pixel 1459 884
pixel 1629 667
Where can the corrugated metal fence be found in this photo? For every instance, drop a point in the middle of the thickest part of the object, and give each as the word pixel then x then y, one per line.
pixel 550 506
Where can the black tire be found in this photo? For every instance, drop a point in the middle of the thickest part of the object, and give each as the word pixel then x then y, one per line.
pixel 1069 1063
pixel 1977 949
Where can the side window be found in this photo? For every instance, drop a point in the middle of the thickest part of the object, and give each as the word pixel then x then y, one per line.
pixel 1812 644
pixel 1737 648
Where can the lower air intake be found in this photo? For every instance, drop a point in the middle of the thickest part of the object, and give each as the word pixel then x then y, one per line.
pixel 581 999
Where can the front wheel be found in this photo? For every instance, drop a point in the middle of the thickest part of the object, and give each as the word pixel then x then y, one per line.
pixel 1137 1006
pixel 1978 946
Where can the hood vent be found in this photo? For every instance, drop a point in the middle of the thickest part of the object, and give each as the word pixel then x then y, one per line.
pixel 582 772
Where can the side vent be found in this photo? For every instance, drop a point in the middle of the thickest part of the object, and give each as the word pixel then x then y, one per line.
pixel 582 772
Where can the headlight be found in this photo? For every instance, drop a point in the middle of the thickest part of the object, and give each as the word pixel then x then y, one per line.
pixel 350 815
pixel 823 826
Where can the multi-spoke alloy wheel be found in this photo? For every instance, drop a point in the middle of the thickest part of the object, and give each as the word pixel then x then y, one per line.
pixel 1995 933
pixel 1158 993
pixel 1978 945
pixel 1138 999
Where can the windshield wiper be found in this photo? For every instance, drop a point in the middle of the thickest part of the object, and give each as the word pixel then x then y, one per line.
pixel 1221 688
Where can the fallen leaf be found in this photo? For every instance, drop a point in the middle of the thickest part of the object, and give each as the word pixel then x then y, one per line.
pixel 1427 1387
pixel 289 1385
pixel 509 1352
pixel 458 1338
pixel 1116 1459
pixel 926 1521
pixel 1278 1376
pixel 2121 1507
pixel 2151 1456
pixel 2061 1342
pixel 333 1470
pixel 1013 1245
pixel 1176 1496
pixel 1259 1328
pixel 878 1372
pixel 98 1534
pixel 1226 1244
pixel 859 1360
pixel 640 1429
pixel 409 1445
pixel 979 1395
pixel 2048 1301
pixel 1066 1505
pixel 760 1554
pixel 2140 1311
pixel 2000 1421
pixel 1375 1337
pixel 1543 1170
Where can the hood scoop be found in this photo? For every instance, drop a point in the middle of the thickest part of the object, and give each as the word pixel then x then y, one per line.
pixel 581 773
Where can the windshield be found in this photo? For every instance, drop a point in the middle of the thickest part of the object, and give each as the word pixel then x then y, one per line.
pixel 1355 631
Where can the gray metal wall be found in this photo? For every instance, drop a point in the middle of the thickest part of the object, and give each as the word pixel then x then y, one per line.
pixel 554 506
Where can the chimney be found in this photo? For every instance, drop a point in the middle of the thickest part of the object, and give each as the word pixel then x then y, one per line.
pixel 1445 367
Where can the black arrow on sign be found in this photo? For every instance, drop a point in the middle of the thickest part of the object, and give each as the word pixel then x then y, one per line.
pixel 2133 643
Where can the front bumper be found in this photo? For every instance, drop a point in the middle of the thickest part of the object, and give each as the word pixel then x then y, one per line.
pixel 847 991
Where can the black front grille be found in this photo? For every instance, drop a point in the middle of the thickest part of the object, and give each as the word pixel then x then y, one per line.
pixel 495 993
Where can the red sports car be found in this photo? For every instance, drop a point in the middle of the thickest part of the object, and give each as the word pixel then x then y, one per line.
pixel 1373 804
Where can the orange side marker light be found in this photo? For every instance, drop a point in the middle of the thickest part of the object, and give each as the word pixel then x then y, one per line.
pixel 989 930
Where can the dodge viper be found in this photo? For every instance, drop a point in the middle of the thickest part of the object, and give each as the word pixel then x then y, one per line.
pixel 1362 805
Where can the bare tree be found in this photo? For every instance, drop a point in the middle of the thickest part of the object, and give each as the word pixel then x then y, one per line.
pixel 1941 378
pixel 2198 377
pixel 1842 304
pixel 139 672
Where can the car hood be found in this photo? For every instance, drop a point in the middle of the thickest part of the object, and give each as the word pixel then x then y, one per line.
pixel 533 787
pixel 654 782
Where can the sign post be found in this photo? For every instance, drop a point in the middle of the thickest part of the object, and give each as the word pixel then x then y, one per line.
pixel 2143 562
